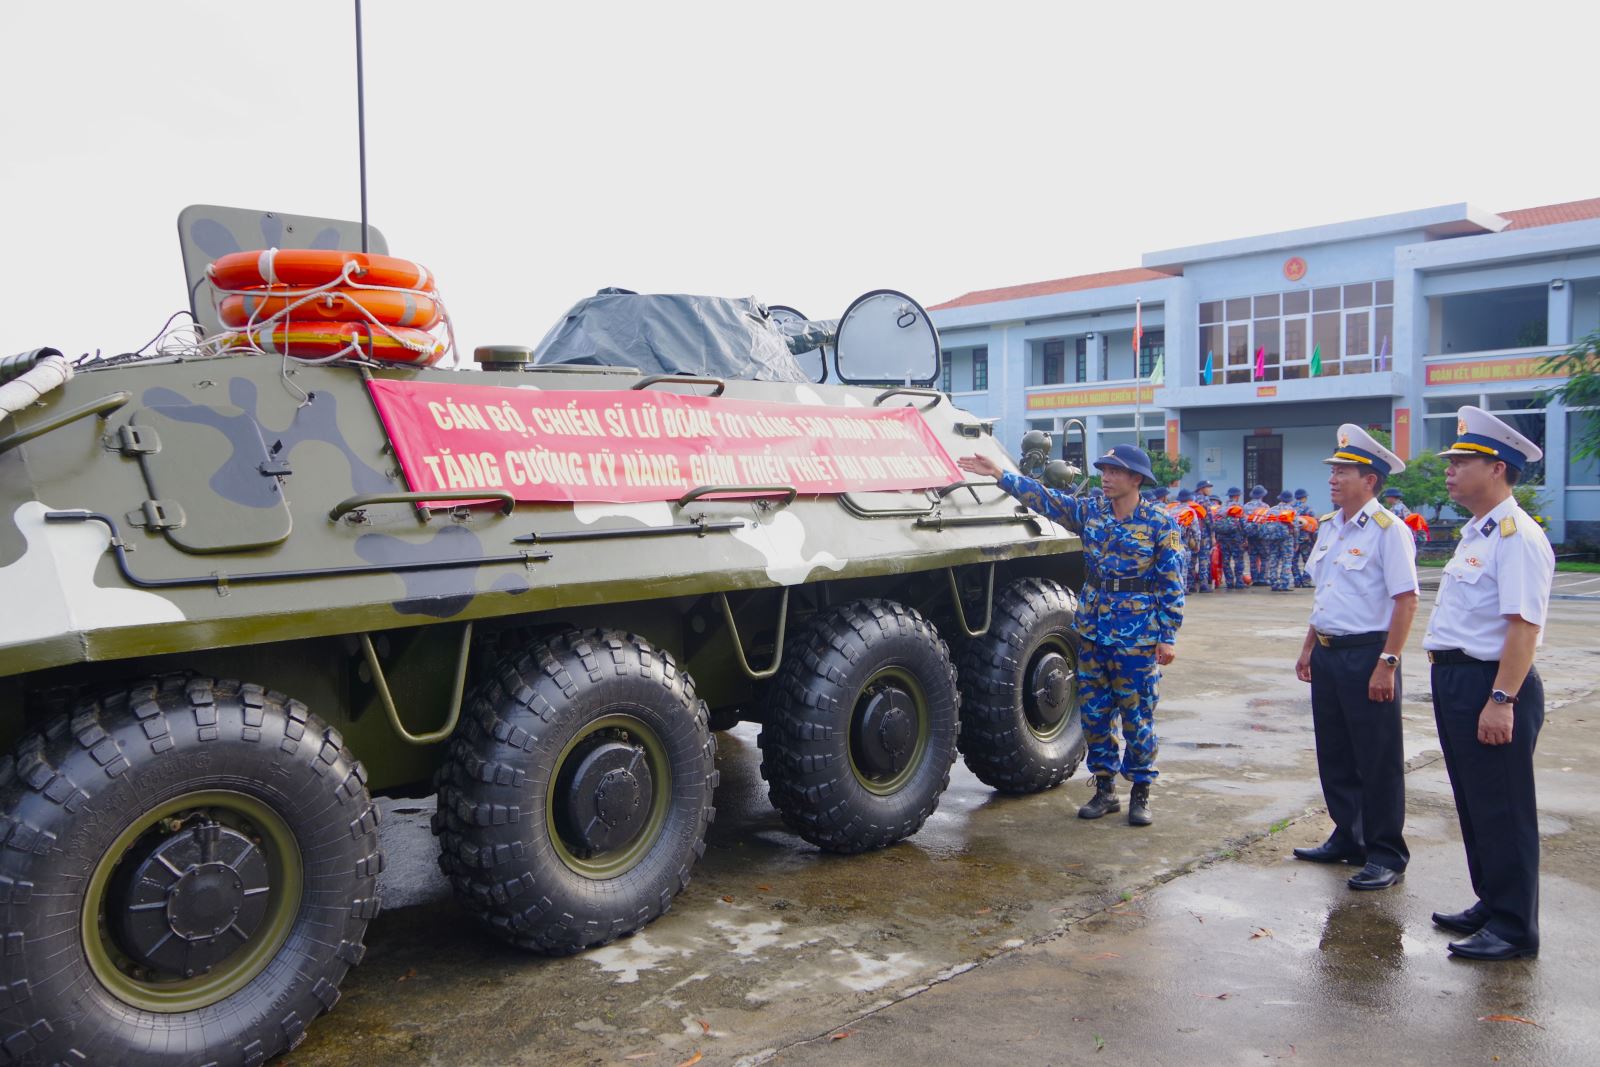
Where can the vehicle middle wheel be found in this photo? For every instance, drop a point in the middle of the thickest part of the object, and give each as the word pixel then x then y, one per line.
pixel 575 797
pixel 861 734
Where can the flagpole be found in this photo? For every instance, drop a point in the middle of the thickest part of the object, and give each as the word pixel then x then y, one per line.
pixel 1138 379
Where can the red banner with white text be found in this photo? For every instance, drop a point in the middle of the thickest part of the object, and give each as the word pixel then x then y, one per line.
pixel 629 446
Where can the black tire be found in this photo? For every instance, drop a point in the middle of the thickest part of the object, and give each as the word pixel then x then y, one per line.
pixel 71 797
pixel 1020 728
pixel 815 755
pixel 507 810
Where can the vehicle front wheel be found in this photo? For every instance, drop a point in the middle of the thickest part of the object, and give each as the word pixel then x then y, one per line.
pixel 1020 731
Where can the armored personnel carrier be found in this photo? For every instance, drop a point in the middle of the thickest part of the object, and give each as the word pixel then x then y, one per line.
pixel 242 594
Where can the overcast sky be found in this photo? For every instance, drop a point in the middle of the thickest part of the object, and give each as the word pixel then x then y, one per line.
pixel 529 154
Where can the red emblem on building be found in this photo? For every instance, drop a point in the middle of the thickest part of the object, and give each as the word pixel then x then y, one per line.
pixel 1294 268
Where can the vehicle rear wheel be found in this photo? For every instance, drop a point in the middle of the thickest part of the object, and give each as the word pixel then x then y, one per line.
pixel 858 743
pixel 576 796
pixel 1020 730
pixel 188 872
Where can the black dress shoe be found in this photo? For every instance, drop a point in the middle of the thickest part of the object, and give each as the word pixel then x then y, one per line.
pixel 1328 852
pixel 1462 922
pixel 1372 876
pixel 1484 945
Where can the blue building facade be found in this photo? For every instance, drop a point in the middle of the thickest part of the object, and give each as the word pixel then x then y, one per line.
pixel 1267 344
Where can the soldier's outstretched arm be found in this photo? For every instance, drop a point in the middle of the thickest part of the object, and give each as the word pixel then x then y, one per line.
pixel 1061 507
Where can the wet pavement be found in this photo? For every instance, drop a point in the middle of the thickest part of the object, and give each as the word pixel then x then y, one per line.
pixel 1010 931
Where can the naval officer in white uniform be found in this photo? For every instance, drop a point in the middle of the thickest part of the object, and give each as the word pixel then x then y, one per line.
pixel 1487 698
pixel 1364 567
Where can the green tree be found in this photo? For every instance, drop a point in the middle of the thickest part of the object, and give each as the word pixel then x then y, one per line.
pixel 1421 484
pixel 1169 469
pixel 1580 365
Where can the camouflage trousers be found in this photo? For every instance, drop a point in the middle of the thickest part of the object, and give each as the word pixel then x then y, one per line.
pixel 1302 553
pixel 1119 683
pixel 1278 553
pixel 1258 561
pixel 1233 564
pixel 1199 580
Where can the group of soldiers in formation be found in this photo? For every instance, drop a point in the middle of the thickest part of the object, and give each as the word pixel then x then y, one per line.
pixel 1254 542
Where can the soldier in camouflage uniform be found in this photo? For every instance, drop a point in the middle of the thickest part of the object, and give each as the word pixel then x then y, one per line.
pixel 1304 539
pixel 1127 620
pixel 1191 528
pixel 1230 535
pixel 1394 502
pixel 1207 507
pixel 1252 536
pixel 1277 543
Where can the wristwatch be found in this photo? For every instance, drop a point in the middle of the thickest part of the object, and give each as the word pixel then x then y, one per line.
pixel 1500 696
pixel 1390 658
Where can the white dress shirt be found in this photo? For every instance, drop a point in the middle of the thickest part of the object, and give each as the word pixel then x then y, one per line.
pixel 1502 566
pixel 1359 567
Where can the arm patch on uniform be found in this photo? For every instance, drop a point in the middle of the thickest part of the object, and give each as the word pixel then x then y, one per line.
pixel 1508 526
pixel 1383 518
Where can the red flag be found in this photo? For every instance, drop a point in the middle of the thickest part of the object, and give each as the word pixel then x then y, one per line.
pixel 1138 335
pixel 1261 362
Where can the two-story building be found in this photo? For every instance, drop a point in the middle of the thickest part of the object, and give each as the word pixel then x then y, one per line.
pixel 1267 344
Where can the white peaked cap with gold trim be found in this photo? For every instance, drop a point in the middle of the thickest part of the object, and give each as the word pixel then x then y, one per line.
pixel 1359 448
pixel 1479 433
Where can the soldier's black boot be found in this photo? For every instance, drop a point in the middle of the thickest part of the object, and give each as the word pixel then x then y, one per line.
pixel 1139 805
pixel 1104 799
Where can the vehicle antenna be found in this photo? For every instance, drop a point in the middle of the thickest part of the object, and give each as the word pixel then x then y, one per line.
pixel 361 127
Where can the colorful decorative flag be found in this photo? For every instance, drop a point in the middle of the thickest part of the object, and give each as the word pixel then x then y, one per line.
pixel 1261 361
pixel 1158 373
pixel 1316 361
pixel 1383 353
pixel 1205 375
pixel 1138 330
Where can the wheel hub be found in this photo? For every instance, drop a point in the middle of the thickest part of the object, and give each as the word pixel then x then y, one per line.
pixel 885 734
pixel 1049 690
pixel 608 800
pixel 191 900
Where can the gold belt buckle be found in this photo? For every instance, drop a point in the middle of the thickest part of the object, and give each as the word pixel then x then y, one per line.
pixel 1324 640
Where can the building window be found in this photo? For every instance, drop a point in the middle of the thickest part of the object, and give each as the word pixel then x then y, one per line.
pixel 1152 345
pixel 1082 359
pixel 944 372
pixel 980 368
pixel 1339 329
pixel 1054 357
pixel 1583 470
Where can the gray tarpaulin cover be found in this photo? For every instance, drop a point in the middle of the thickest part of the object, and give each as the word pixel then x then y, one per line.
pixel 718 337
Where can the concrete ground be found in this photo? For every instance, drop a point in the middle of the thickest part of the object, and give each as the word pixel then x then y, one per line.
pixel 1008 931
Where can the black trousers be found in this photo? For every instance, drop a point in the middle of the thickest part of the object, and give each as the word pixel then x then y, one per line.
pixel 1360 754
pixel 1495 799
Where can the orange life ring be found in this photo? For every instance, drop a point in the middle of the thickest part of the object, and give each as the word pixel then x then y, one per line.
pixel 315 340
pixel 336 305
pixel 314 266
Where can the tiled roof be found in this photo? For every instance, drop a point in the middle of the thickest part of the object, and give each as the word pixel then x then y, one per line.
pixel 1522 219
pixel 1552 214
pixel 1058 285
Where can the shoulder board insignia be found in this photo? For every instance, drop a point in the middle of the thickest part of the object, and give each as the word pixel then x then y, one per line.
pixel 1328 516
pixel 1383 519
pixel 1508 526
pixel 1487 528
